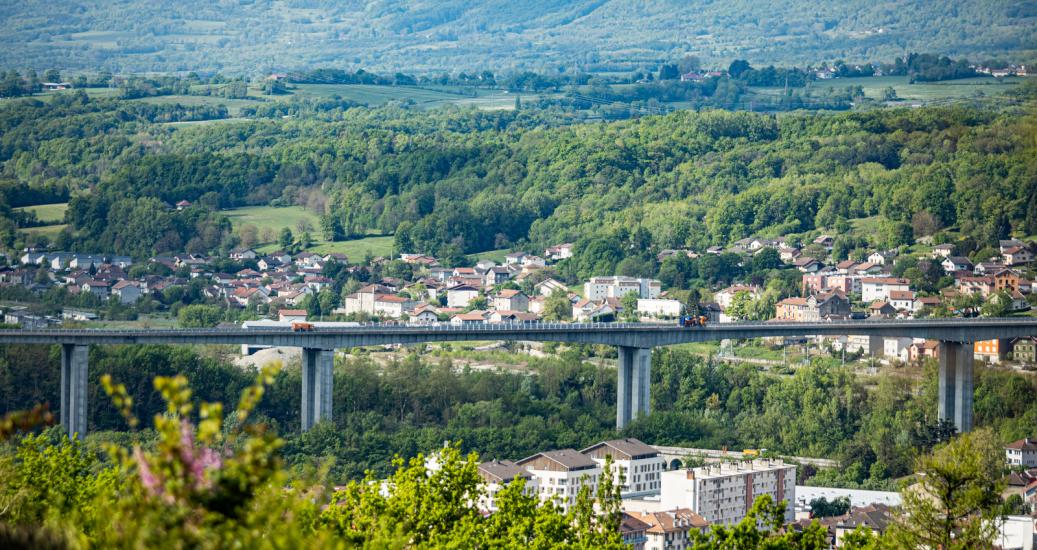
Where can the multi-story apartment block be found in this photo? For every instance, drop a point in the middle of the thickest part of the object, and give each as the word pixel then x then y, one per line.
pixel 636 463
pixel 560 475
pixel 724 493
pixel 496 475
pixel 878 288
pixel 599 288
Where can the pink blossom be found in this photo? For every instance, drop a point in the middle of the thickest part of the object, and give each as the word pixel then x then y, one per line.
pixel 147 477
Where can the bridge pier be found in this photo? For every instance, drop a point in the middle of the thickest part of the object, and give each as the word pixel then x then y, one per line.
pixel 317 365
pixel 74 368
pixel 633 380
pixel 955 384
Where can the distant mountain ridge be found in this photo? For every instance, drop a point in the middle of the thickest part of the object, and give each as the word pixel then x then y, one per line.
pixel 249 37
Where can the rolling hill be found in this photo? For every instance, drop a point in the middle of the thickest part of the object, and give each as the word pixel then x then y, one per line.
pixel 254 36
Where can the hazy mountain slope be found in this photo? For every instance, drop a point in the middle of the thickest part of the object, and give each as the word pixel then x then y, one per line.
pixel 422 35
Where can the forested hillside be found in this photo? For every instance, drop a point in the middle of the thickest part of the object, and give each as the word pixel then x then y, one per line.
pixel 453 182
pixel 438 35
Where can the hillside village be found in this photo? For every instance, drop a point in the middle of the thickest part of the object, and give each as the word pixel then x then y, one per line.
pixel 525 288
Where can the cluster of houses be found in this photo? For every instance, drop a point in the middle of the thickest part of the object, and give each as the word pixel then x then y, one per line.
pixel 281 279
pixel 481 294
pixel 465 295
pixel 867 290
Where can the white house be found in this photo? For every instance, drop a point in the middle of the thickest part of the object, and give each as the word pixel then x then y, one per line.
pixel 637 464
pixel 128 292
pixel 1022 453
pixel 547 287
pixel 878 288
pixel 560 475
pixel 724 297
pixel 559 251
pixel 388 305
pixel 461 295
pixel 897 348
pixel 511 299
pixel 902 300
pixel 599 288
pixel 424 315
pixel 659 307
pixel 291 315
pixel 956 263
pixel 242 253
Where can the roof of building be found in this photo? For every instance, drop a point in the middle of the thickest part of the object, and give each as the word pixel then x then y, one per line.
pixel 390 299
pixel 680 519
pixel 901 295
pixel 875 516
pixel 474 315
pixel 1025 444
pixel 885 280
pixel 628 523
pixel 569 458
pixel 629 447
pixel 502 471
pixel 291 312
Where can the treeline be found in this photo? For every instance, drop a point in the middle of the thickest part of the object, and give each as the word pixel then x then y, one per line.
pixel 413 405
pixel 453 182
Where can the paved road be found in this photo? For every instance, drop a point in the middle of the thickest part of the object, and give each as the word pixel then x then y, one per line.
pixel 714 455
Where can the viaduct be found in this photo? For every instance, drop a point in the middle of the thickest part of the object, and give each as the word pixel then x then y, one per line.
pixel 633 340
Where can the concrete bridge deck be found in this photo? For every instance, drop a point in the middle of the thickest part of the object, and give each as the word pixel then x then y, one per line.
pixel 644 335
pixel 633 340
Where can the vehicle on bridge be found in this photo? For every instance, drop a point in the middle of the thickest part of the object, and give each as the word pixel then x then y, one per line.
pixel 299 326
pixel 692 321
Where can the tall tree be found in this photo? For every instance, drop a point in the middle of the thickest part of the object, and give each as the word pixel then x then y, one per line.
pixel 957 497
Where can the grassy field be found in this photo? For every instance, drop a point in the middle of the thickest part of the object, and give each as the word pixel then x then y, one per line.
pixel 276 219
pixel 50 231
pixel 923 91
pixel 425 97
pixel 54 213
pixel 492 255
pixel 234 106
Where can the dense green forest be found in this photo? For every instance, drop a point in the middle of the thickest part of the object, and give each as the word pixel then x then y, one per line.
pixel 874 428
pixel 455 181
pixel 430 36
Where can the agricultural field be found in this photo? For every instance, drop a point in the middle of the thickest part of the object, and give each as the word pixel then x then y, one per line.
pixel 54 213
pixel 49 231
pixel 424 97
pixel 922 91
pixel 273 219
pixel 234 106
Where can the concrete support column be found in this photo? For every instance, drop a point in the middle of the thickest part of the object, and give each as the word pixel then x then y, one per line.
pixel 954 401
pixel 642 381
pixel 633 381
pixel 963 388
pixel 623 386
pixel 74 368
pixel 317 365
